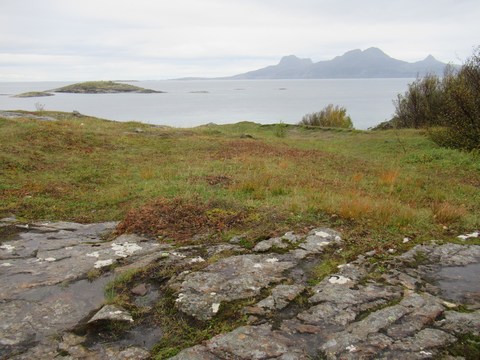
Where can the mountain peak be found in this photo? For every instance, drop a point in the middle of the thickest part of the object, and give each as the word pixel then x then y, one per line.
pixel 292 60
pixel 430 58
pixel 375 51
pixel 354 64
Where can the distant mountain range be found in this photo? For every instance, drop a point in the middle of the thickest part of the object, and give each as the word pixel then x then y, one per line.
pixel 369 63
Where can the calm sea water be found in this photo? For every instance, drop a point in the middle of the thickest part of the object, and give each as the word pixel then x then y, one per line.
pixel 197 102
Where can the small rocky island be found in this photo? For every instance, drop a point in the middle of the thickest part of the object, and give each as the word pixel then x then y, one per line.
pixel 104 87
pixel 33 94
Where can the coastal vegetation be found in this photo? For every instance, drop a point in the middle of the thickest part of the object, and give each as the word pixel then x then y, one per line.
pixel 449 107
pixel 103 87
pixel 330 116
pixel 242 179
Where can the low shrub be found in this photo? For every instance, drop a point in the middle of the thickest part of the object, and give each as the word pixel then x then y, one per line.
pixel 329 116
pixel 181 219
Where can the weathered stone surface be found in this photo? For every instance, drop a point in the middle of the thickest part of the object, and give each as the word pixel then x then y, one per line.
pixel 63 254
pixel 425 339
pixel 282 242
pixel 407 312
pixel 43 290
pixel 461 323
pixel 198 352
pixel 253 342
pixel 281 296
pixel 320 238
pixel 238 277
pixel 266 245
pixel 349 317
pixel 111 313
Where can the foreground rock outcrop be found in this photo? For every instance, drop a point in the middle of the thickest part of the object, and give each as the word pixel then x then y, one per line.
pixel 352 315
pixel 413 306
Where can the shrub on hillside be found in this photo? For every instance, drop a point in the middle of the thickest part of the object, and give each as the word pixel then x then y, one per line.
pixel 448 107
pixel 421 105
pixel 329 116
pixel 461 127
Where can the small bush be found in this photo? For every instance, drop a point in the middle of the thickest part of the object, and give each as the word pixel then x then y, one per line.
pixel 462 107
pixel 329 116
pixel 421 105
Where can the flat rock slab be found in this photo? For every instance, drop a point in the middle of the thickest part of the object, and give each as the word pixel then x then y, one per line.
pixel 200 294
pixel 55 254
pixel 43 285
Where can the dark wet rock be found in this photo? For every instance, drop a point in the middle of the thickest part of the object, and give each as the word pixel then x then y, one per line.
pixel 111 313
pixel 238 277
pixel 72 347
pixel 43 290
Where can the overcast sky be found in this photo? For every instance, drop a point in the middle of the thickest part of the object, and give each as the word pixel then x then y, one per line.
pixel 160 39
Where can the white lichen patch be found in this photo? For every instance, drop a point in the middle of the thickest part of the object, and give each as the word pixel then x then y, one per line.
pixel 257 266
pixel 215 307
pixel 6 264
pixel 180 298
pixel 178 255
pixel 323 243
pixel 197 259
pixel 50 259
pixel 69 248
pixel 426 353
pixel 338 279
pixel 94 254
pixel 125 249
pixel 351 348
pixel 272 260
pixel 474 234
pixel 322 234
pixel 102 263
pixel 213 293
pixel 7 247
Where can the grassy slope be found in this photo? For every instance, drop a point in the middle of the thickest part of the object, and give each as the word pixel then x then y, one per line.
pixel 376 187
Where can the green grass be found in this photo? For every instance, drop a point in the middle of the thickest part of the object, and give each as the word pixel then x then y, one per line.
pixel 374 187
